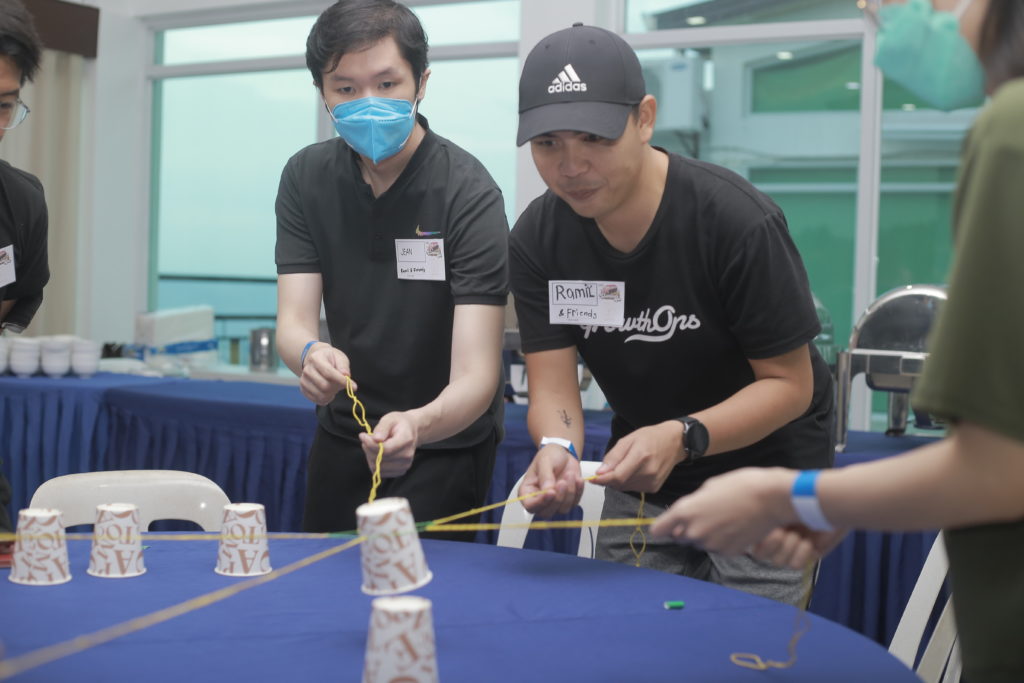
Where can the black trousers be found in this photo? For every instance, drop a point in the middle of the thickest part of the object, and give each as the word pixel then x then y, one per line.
pixel 5 498
pixel 438 484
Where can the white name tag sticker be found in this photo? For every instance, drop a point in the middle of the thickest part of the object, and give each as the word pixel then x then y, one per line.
pixel 586 302
pixel 6 265
pixel 420 259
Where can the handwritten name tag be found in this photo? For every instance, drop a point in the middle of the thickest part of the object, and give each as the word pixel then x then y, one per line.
pixel 420 259
pixel 586 302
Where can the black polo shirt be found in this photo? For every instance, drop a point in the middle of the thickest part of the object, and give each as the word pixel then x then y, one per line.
pixel 23 224
pixel 397 333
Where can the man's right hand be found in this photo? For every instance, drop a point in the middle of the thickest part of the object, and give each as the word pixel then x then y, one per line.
pixel 324 373
pixel 556 472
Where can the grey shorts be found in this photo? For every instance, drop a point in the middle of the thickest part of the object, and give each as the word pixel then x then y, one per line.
pixel 791 586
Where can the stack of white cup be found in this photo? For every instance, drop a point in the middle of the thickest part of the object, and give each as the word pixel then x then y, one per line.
pixel 56 355
pixel 85 357
pixel 23 356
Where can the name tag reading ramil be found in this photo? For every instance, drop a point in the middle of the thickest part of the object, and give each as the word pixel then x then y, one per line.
pixel 420 259
pixel 586 302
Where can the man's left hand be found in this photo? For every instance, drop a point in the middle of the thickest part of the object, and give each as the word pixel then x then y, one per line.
pixel 398 432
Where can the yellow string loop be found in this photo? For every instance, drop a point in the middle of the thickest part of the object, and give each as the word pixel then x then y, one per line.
pixel 751 661
pixel 639 530
pixel 359 413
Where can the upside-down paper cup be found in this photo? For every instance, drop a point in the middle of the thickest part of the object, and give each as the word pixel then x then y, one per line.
pixel 243 541
pixel 392 556
pixel 116 542
pixel 40 549
pixel 400 646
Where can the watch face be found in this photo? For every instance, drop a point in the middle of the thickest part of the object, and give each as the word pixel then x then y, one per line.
pixel 696 439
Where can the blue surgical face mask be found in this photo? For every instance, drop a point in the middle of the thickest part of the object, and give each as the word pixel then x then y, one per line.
pixel 923 50
pixel 376 127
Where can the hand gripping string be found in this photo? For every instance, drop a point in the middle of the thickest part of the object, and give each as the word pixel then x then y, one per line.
pixel 359 413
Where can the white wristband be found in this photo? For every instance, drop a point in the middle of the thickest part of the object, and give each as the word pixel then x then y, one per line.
pixel 564 443
pixel 805 501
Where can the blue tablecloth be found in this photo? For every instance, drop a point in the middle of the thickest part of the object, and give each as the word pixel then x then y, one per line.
pixel 252 439
pixel 499 615
pixel 50 427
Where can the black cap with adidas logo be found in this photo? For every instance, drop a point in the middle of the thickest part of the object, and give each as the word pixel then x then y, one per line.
pixel 582 78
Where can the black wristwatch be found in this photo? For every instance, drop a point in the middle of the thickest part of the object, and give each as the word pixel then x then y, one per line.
pixel 695 438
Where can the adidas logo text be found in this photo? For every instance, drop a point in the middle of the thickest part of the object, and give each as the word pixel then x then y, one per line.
pixel 567 81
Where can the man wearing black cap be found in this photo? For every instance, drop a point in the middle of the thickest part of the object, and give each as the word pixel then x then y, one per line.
pixel 679 285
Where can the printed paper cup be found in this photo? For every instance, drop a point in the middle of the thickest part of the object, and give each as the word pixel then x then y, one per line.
pixel 243 541
pixel 40 549
pixel 392 556
pixel 400 646
pixel 116 542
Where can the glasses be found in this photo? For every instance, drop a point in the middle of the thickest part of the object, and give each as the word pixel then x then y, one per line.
pixel 12 112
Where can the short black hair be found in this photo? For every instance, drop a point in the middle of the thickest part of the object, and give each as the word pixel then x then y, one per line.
pixel 353 25
pixel 18 38
pixel 1001 46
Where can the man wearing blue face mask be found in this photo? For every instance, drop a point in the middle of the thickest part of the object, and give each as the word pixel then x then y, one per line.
pixel 970 484
pixel 403 237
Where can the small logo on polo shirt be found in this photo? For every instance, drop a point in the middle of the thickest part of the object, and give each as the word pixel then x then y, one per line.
pixel 421 233
pixel 567 81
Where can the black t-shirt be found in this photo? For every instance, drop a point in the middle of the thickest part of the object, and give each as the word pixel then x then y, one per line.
pixel 397 333
pixel 715 281
pixel 23 224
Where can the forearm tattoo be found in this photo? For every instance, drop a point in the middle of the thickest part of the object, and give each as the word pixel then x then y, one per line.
pixel 566 420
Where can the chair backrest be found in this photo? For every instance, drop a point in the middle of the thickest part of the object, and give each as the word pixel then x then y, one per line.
pixel 592 502
pixel 940 662
pixel 159 494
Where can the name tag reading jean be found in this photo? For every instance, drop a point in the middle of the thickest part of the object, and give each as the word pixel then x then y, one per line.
pixel 420 259
pixel 586 302
pixel 6 265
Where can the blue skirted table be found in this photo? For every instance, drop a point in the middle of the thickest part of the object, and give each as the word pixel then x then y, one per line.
pixel 499 615
pixel 252 439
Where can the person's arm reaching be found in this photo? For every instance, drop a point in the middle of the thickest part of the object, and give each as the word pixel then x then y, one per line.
pixel 322 374
pixel 973 477
pixel 555 411
pixel 477 338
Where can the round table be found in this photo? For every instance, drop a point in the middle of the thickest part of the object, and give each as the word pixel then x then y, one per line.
pixel 500 614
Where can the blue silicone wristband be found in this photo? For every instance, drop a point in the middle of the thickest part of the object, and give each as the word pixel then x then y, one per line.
pixel 804 485
pixel 804 497
pixel 305 350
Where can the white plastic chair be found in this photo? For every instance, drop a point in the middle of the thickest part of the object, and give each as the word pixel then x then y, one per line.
pixel 940 662
pixel 159 494
pixel 592 502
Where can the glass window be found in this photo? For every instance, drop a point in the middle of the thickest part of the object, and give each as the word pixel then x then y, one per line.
pixel 445 24
pixel 821 78
pixel 485 21
pixel 656 15
pixel 220 144
pixel 487 129
pixel 225 42
pixel 804 158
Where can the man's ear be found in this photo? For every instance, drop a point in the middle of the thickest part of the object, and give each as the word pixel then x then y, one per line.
pixel 647 115
pixel 422 92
